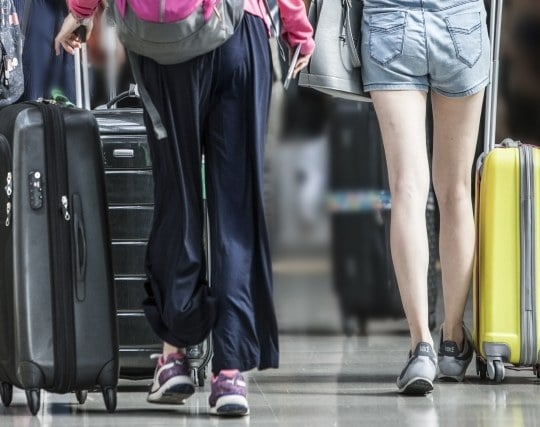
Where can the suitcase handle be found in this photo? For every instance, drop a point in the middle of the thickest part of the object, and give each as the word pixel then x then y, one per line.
pixel 122 153
pixel 80 249
pixel 496 14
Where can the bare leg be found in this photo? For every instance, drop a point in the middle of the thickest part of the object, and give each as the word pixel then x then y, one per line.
pixel 169 349
pixel 456 122
pixel 402 116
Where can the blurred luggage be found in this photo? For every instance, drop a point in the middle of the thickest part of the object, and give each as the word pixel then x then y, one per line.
pixel 58 329
pixel 506 279
pixel 360 204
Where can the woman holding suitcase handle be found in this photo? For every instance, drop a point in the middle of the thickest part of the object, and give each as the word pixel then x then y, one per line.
pixel 229 92
pixel 408 48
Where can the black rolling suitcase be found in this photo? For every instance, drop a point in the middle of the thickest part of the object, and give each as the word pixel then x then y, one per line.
pixel 57 325
pixel 130 193
pixel 360 203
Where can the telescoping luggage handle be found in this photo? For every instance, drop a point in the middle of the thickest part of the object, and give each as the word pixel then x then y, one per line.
pixel 82 84
pixel 493 87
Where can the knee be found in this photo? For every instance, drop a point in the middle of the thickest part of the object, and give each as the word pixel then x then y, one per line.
pixel 452 195
pixel 410 190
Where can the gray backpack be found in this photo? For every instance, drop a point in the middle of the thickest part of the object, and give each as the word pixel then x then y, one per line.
pixel 172 32
pixel 175 31
pixel 334 68
pixel 11 44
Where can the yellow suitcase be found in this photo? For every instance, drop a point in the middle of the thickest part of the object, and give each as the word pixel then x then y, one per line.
pixel 506 277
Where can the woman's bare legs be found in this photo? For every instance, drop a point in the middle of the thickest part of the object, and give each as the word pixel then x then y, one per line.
pixel 456 123
pixel 402 118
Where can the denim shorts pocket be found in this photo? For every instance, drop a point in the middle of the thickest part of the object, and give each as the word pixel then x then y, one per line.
pixel 386 36
pixel 466 32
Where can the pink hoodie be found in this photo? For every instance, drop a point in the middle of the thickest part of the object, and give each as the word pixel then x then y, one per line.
pixel 296 27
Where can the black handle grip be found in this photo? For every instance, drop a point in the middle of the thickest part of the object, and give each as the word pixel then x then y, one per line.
pixel 82 32
pixel 80 249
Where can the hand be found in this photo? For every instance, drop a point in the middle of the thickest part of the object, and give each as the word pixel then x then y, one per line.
pixel 303 61
pixel 67 37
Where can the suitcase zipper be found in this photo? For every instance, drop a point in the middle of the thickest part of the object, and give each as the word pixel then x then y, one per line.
pixel 60 249
pixel 8 189
pixel 528 285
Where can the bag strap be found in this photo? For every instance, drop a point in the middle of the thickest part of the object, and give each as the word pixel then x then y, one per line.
pixel 347 7
pixel 153 113
pixel 275 30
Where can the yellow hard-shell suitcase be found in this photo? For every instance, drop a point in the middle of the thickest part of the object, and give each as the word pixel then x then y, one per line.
pixel 506 278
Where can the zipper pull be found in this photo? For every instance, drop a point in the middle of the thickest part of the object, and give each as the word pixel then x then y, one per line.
pixel 9 187
pixel 8 214
pixel 65 208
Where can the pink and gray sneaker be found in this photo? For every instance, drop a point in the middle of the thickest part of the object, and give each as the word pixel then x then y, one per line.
pixel 172 381
pixel 229 395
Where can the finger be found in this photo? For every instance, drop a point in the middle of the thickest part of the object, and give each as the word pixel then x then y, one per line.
pixel 67 48
pixel 300 65
pixel 57 46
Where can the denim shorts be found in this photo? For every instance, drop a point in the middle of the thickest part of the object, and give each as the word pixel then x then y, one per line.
pixel 422 44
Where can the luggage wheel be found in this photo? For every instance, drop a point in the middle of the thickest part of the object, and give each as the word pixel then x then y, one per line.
pixel 537 371
pixel 495 369
pixel 109 397
pixel 198 375
pixel 33 399
pixel 81 396
pixel 481 368
pixel 6 393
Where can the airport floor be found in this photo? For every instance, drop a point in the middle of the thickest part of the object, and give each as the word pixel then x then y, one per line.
pixel 325 379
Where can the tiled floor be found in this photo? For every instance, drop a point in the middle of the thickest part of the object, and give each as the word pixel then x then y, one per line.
pixel 325 379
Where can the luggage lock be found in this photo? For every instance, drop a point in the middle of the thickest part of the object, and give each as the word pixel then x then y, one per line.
pixel 35 187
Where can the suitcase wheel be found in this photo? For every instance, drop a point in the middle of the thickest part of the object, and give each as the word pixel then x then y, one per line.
pixel 499 371
pixel 495 370
pixel 33 399
pixel 81 396
pixel 109 397
pixel 481 368
pixel 6 393
pixel 198 375
pixel 537 371
pixel 201 376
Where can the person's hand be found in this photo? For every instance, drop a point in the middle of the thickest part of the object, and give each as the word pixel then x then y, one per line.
pixel 303 61
pixel 67 38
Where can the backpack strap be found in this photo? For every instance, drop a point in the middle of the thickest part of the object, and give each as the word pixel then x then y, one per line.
pixel 155 118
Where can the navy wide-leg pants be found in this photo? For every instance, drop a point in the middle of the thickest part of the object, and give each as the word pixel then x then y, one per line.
pixel 217 104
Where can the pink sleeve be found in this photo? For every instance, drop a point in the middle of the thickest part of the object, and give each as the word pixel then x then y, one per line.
pixel 83 8
pixel 296 26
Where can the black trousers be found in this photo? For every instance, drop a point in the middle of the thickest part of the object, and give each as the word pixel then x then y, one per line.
pixel 217 103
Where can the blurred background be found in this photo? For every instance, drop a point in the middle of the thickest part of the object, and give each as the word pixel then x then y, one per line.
pixel 330 256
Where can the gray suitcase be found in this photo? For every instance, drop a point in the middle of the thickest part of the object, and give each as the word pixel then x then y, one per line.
pixel 58 330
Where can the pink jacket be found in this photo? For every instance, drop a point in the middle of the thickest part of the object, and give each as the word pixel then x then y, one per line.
pixel 296 27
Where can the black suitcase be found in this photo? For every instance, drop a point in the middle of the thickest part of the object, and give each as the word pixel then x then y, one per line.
pixel 363 273
pixel 130 190
pixel 58 330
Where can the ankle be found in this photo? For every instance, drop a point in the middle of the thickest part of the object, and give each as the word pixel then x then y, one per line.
pixel 453 332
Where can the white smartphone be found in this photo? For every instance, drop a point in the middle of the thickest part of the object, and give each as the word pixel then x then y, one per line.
pixel 294 60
